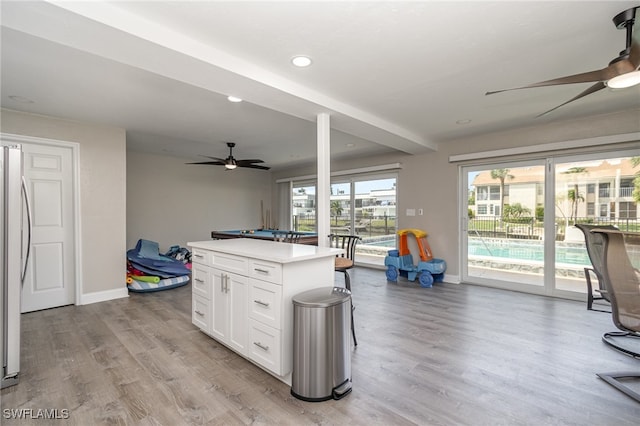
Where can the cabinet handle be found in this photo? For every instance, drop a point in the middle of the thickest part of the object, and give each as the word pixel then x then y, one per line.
pixel 261 346
pixel 264 271
pixel 199 313
pixel 222 278
pixel 199 280
pixel 260 302
pixel 226 284
pixel 198 256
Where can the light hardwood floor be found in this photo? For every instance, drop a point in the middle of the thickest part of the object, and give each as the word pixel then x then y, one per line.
pixel 449 355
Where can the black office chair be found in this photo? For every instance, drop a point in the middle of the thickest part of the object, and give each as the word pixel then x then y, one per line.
pixel 344 262
pixel 622 282
pixel 595 248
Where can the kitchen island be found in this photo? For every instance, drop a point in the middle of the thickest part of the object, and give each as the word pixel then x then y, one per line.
pixel 242 294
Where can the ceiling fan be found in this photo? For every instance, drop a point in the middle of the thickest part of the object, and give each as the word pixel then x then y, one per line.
pixel 622 72
pixel 231 163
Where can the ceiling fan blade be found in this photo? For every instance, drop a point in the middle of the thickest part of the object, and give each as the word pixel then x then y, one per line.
pixel 254 166
pixel 214 158
pixel 598 86
pixel 248 161
pixel 587 77
pixel 215 163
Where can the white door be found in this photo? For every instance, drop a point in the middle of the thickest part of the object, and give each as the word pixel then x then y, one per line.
pixel 50 280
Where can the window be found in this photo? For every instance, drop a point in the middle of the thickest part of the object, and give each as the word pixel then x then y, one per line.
pixel 527 241
pixel 303 206
pixel 494 192
pixel 626 187
pixel 362 204
pixel 628 210
pixel 483 193
pixel 604 211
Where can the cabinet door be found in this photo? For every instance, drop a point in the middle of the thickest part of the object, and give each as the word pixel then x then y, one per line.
pixel 238 290
pixel 220 305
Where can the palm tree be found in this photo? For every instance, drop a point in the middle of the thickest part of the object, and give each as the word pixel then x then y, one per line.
pixel 635 162
pixel 573 195
pixel 502 175
pixel 336 210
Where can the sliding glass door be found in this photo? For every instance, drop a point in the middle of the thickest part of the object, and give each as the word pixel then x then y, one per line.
pixel 504 236
pixel 364 205
pixel 593 191
pixel 519 231
pixel 303 206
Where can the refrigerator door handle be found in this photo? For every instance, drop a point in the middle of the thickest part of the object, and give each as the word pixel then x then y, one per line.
pixel 29 228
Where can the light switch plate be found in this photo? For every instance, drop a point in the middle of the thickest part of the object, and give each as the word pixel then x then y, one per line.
pixel 411 212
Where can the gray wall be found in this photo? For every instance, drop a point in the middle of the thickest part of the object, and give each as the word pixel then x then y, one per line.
pixel 173 203
pixel 102 192
pixel 430 182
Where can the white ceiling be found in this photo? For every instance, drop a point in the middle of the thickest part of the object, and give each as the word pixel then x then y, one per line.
pixel 394 76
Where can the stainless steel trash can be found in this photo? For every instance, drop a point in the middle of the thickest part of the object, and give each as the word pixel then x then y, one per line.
pixel 321 344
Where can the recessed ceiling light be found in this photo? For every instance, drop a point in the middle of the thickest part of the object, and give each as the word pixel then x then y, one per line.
pixel 465 121
pixel 233 99
pixel 21 99
pixel 301 61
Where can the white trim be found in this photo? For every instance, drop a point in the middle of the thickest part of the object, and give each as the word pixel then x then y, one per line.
pixel 103 296
pixel 75 160
pixel 554 146
pixel 451 279
pixel 380 168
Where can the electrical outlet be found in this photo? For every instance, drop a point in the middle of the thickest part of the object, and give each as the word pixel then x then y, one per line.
pixel 420 212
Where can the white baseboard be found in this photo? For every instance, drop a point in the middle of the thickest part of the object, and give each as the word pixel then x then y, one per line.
pixel 103 296
pixel 451 279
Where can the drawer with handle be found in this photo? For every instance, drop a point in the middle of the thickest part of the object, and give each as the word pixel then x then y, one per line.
pixel 264 346
pixel 267 271
pixel 200 256
pixel 201 280
pixel 201 313
pixel 265 300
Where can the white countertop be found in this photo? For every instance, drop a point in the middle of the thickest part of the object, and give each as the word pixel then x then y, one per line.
pixel 267 250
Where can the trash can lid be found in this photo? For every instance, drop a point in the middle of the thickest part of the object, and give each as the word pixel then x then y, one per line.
pixel 322 297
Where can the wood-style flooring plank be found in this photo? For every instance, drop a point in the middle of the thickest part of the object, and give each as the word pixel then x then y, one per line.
pixel 448 355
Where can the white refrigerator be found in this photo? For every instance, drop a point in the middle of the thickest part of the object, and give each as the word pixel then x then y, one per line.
pixel 15 224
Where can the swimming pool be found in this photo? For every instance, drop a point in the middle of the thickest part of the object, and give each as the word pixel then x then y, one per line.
pixel 382 243
pixel 530 250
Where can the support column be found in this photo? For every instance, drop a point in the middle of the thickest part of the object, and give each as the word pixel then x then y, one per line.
pixel 323 204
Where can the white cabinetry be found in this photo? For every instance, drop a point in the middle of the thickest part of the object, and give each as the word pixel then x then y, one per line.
pixel 242 291
pixel 229 318
pixel 201 294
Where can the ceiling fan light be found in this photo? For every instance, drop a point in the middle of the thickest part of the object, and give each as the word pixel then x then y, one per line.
pixel 231 163
pixel 623 81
